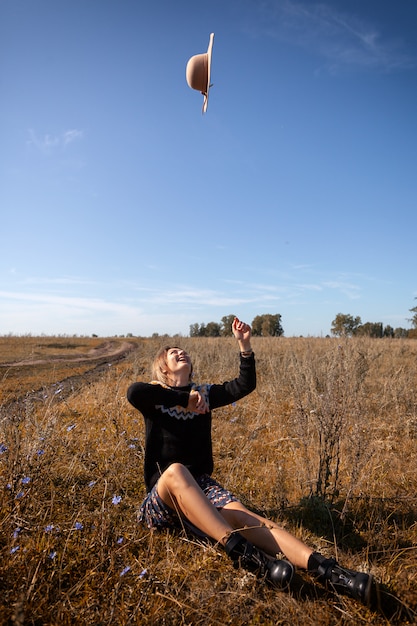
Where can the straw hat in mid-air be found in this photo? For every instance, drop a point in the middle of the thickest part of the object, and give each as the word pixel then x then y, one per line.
pixel 198 72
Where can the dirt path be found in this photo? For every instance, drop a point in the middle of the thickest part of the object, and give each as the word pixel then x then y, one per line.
pixel 107 350
pixel 101 358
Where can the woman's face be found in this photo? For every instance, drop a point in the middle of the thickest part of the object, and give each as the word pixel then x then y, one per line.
pixel 178 362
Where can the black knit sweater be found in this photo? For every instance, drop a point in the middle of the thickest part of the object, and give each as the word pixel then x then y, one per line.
pixel 174 435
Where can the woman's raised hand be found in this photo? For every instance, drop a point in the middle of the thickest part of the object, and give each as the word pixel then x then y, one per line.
pixel 241 330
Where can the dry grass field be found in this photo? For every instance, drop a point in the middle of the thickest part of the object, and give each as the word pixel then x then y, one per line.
pixel 327 445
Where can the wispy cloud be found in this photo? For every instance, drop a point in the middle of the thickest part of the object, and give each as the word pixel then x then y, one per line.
pixel 58 280
pixel 46 144
pixel 43 313
pixel 195 296
pixel 341 38
pixel 71 135
pixel 351 291
pixel 310 287
pixel 69 302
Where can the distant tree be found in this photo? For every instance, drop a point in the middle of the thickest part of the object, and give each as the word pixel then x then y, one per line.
pixel 212 330
pixel 413 319
pixel 226 325
pixel 401 333
pixel 388 331
pixel 257 326
pixel 267 325
pixel 344 325
pixel 194 330
pixel 369 329
pixel 198 330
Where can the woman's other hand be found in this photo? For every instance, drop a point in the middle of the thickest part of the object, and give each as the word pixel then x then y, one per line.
pixel 197 403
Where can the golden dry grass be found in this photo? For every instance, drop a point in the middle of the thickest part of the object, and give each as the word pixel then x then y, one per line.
pixel 327 444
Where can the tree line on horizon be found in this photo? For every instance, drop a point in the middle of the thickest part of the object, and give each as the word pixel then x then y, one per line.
pixel 348 326
pixel 267 325
pixel 343 325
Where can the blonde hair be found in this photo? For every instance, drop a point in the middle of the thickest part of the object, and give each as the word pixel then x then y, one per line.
pixel 159 365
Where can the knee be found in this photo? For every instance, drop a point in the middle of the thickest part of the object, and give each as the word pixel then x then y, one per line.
pixel 176 476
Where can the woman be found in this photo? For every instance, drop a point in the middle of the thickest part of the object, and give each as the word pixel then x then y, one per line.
pixel 179 464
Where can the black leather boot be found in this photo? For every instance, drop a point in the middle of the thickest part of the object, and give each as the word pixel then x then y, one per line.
pixel 244 554
pixel 355 584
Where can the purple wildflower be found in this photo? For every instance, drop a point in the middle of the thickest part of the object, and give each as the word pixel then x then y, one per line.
pixel 125 570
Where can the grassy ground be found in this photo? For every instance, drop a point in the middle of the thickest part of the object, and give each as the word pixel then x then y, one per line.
pixel 327 445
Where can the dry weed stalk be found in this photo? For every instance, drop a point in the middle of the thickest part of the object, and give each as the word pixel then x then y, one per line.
pixel 329 418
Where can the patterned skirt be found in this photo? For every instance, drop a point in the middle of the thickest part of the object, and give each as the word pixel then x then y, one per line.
pixel 154 513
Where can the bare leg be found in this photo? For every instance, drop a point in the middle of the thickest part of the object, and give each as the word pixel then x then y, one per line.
pixel 265 534
pixel 179 490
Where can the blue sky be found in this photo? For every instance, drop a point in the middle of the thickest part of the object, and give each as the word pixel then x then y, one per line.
pixel 125 210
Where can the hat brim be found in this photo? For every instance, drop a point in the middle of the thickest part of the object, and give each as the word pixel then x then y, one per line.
pixel 209 55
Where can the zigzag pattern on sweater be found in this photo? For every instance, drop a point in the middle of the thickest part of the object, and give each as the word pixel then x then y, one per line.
pixel 179 412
